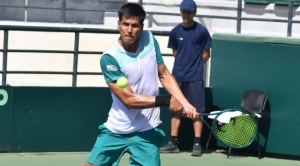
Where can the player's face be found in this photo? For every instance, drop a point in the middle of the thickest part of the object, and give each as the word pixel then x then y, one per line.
pixel 187 16
pixel 130 29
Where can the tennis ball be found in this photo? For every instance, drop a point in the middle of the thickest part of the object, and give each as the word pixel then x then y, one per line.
pixel 122 82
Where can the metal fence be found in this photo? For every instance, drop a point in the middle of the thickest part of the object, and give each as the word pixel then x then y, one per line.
pixel 289 3
pixel 75 51
pixel 7 28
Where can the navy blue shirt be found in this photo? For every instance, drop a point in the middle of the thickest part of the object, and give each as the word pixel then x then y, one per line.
pixel 189 43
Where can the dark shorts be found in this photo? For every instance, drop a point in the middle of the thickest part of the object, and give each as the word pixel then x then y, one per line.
pixel 194 92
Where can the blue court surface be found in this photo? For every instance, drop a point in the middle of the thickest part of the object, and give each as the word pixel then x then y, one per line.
pixel 215 158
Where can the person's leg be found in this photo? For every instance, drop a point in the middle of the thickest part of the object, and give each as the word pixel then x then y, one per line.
pixel 144 147
pixel 171 146
pixel 198 125
pixel 108 149
pixel 175 124
pixel 197 149
pixel 196 96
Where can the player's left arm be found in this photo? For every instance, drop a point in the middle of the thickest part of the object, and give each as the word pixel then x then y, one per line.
pixel 170 84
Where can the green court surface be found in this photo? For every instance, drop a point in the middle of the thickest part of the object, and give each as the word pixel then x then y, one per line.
pixel 216 158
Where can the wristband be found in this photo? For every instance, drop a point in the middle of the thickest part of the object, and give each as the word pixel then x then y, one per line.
pixel 162 100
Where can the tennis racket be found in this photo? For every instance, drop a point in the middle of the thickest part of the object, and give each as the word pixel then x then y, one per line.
pixel 233 127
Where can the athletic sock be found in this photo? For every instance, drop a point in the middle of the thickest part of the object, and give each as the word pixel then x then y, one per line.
pixel 174 140
pixel 197 140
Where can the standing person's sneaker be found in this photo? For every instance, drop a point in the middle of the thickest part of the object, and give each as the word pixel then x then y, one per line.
pixel 197 150
pixel 169 148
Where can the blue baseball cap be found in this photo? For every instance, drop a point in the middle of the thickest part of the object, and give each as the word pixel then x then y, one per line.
pixel 188 5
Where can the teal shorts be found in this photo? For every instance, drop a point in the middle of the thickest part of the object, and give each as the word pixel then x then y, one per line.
pixel 143 147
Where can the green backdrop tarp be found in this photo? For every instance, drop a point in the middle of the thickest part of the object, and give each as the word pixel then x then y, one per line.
pixel 242 62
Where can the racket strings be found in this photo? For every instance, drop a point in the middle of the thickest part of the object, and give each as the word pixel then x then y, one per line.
pixel 238 133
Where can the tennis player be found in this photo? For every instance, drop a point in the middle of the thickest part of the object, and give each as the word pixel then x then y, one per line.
pixel 134 118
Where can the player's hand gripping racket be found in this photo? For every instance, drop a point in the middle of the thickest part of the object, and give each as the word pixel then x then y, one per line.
pixel 233 127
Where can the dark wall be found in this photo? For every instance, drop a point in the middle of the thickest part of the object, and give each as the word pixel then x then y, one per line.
pixel 52 119
pixel 47 119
